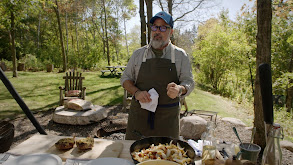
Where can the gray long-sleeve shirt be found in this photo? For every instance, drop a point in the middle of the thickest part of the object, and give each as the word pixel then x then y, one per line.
pixel 182 62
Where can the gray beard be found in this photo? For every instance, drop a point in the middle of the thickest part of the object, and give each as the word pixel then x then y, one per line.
pixel 157 44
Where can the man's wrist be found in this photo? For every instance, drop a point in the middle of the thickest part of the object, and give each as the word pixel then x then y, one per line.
pixel 180 91
pixel 134 94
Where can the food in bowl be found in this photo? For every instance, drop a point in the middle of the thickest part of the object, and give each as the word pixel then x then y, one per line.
pixel 157 162
pixel 65 143
pixel 166 151
pixel 85 143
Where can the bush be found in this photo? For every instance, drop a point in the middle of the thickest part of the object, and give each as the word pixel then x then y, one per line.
pixel 32 63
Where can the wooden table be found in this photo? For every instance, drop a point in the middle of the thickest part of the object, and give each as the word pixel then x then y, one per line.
pixel 45 144
pixel 122 68
pixel 114 70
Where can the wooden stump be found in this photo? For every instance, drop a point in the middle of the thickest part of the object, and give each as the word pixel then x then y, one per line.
pixel 21 67
pixel 3 66
pixel 50 67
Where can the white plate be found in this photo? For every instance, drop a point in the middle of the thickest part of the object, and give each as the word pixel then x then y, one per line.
pixel 110 161
pixel 35 159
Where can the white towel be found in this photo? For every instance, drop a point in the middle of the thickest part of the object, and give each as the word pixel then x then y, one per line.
pixel 151 106
pixel 197 147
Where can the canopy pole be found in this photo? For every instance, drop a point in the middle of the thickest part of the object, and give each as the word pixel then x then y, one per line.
pixel 21 103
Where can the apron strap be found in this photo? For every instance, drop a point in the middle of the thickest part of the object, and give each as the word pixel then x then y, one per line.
pixel 172 53
pixel 151 120
pixel 145 54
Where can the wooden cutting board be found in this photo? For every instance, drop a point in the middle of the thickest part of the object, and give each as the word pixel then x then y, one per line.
pixel 46 144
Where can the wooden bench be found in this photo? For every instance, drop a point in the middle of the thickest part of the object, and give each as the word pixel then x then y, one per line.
pixel 119 73
pixel 211 114
pixel 127 97
pixel 104 71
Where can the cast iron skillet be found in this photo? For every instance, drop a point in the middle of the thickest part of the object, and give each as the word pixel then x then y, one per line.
pixel 146 142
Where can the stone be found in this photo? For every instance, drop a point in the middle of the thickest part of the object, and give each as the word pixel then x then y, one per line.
pixel 233 121
pixel 73 117
pixel 286 144
pixel 192 127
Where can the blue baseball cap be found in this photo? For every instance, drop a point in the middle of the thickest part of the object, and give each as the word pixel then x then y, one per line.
pixel 165 16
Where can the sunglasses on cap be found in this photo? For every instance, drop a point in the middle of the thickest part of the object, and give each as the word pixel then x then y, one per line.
pixel 162 28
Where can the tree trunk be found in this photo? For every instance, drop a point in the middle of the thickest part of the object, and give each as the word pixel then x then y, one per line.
pixel 76 38
pixel 170 6
pixel 12 40
pixel 116 38
pixel 61 37
pixel 39 28
pixel 149 4
pixel 290 90
pixel 263 55
pixel 142 23
pixel 126 37
pixel 66 32
pixel 106 33
pixel 103 37
pixel 250 72
pixel 76 31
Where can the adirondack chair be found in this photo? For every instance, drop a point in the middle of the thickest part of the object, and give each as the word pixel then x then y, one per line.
pixel 73 87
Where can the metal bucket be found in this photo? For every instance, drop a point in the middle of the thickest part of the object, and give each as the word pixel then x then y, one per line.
pixel 249 152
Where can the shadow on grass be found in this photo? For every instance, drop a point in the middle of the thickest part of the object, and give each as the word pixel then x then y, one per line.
pixel 104 89
pixel 47 107
pixel 12 114
pixel 210 89
pixel 112 93
pixel 110 76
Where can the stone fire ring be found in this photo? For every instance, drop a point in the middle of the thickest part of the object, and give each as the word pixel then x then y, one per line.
pixel 73 117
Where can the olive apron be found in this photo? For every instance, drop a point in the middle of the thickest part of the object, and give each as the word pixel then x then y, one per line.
pixel 155 73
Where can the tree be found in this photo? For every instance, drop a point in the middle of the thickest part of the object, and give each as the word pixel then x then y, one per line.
pixel 180 9
pixel 124 10
pixel 220 50
pixel 149 4
pixel 142 23
pixel 11 20
pixel 61 36
pixel 12 40
pixel 106 31
pixel 282 45
pixel 10 10
pixel 263 55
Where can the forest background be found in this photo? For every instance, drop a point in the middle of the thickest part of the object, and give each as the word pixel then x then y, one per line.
pixel 91 34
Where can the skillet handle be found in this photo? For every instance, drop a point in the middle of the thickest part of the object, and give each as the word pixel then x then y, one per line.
pixel 137 133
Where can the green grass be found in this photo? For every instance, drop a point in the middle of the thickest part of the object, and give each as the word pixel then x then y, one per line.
pixel 40 92
pixel 203 100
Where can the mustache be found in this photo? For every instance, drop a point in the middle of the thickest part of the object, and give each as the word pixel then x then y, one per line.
pixel 157 34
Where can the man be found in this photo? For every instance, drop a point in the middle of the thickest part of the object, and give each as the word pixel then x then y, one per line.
pixel 167 69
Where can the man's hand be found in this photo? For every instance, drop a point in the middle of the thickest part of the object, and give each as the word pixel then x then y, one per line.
pixel 143 96
pixel 173 90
